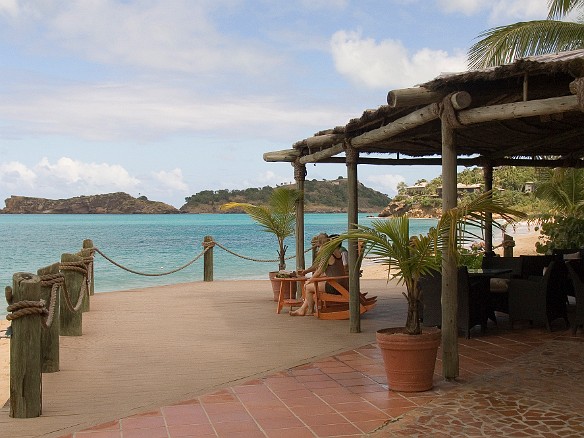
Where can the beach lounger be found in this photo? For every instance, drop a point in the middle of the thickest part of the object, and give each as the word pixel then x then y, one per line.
pixel 336 306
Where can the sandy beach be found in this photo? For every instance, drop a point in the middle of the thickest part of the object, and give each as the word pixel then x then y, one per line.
pixel 525 244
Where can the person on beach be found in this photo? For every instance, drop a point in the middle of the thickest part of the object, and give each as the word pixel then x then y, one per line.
pixel 338 265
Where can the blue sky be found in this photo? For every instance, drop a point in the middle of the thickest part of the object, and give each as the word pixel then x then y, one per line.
pixel 165 98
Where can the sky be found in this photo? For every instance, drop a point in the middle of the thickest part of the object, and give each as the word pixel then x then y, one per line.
pixel 166 98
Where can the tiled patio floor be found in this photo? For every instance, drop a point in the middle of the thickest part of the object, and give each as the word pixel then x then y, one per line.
pixel 508 386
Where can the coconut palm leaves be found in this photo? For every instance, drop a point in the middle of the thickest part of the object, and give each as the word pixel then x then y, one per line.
pixel 564 191
pixel 504 44
pixel 410 257
pixel 278 217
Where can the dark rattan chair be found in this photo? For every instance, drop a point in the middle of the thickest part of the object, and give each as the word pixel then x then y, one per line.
pixel 539 299
pixel 471 302
pixel 577 277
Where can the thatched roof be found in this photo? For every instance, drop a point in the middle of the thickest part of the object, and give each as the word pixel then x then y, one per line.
pixel 541 82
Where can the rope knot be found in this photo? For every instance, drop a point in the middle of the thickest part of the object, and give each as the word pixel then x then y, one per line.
pixel 25 308
pixel 446 111
pixel 209 244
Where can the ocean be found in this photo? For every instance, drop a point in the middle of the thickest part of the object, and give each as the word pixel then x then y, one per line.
pixel 154 244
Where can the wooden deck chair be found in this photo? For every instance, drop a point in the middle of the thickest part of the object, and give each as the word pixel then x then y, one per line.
pixel 336 306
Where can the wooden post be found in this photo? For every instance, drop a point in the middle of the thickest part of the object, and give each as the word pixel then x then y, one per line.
pixel 25 349
pixel 86 255
pixel 50 335
pixel 88 244
pixel 71 320
pixel 352 157
pixel 208 259
pixel 508 244
pixel 299 176
pixel 488 177
pixel 450 364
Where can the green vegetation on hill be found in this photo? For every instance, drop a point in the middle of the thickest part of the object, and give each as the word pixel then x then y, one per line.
pixel 319 196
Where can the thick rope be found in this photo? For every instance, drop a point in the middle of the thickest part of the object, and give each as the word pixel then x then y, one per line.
pixel 446 110
pixel 252 259
pixel 151 274
pixel 56 281
pixel 25 308
pixel 78 267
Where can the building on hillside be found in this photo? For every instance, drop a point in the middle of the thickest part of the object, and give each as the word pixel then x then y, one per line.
pixel 463 188
pixel 528 187
pixel 416 189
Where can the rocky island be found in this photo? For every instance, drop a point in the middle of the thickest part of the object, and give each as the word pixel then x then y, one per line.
pixel 111 203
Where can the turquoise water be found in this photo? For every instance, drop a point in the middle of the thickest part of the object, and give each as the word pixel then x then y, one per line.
pixel 153 244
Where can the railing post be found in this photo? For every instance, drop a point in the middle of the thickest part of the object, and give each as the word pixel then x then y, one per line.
pixel 25 349
pixel 208 259
pixel 508 244
pixel 88 244
pixel 50 335
pixel 86 256
pixel 71 321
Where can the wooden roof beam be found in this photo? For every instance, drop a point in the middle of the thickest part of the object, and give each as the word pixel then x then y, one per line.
pixel 414 119
pixel 287 155
pixel 413 97
pixel 325 153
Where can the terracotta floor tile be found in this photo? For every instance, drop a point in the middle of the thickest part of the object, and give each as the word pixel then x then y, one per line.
pixel 295 432
pixel 234 427
pixel 138 422
pixel 323 419
pixel 112 425
pixel 329 430
pixel 98 434
pixel 284 422
pixel 191 430
pixel 159 432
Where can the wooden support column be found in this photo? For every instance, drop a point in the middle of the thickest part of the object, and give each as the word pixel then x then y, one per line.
pixel 71 320
pixel 488 177
pixel 449 269
pixel 352 157
pixel 299 177
pixel 50 334
pixel 25 350
pixel 88 244
pixel 208 258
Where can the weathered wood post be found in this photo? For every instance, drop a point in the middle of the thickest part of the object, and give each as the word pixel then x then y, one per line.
pixel 25 346
pixel 508 244
pixel 299 177
pixel 88 244
pixel 50 280
pixel 208 243
pixel 352 158
pixel 72 299
pixel 87 257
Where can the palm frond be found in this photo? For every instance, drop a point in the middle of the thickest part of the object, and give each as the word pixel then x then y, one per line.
pixel 504 44
pixel 560 8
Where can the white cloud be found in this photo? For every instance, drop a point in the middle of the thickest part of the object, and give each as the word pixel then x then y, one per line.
pixel 172 180
pixel 15 174
pixel 388 63
pixel 9 7
pixel 149 111
pixel 86 177
pixel 157 34
pixel 500 11
pixel 386 183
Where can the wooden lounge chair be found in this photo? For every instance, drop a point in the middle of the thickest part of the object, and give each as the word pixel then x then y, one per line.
pixel 336 306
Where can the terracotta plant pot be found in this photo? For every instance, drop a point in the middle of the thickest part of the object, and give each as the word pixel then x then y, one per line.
pixel 409 359
pixel 276 286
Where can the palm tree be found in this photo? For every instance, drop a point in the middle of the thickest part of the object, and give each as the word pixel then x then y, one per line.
pixel 409 258
pixel 278 217
pixel 504 44
pixel 563 225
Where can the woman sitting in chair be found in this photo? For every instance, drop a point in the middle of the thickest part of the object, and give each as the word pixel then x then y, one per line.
pixel 338 265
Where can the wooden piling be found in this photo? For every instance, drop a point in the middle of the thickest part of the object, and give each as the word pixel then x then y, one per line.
pixel 71 320
pixel 208 259
pixel 88 244
pixel 50 335
pixel 86 256
pixel 508 244
pixel 25 348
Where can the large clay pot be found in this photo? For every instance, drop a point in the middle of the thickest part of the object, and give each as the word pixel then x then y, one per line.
pixel 409 359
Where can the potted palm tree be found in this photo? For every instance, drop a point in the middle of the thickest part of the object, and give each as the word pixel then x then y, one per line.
pixel 408 258
pixel 277 217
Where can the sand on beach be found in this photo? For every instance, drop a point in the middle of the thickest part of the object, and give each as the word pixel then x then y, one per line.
pixel 4 365
pixel 524 244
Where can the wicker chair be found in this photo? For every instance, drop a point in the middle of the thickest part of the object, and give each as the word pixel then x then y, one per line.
pixel 539 299
pixel 577 277
pixel 471 304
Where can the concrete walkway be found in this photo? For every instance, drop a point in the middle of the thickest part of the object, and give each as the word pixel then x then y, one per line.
pixel 152 347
